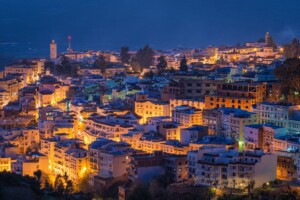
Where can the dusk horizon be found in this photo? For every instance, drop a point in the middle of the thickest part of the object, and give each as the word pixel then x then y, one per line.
pixel 163 25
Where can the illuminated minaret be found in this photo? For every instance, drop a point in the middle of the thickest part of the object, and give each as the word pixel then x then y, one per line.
pixel 53 50
pixel 69 40
pixel 267 38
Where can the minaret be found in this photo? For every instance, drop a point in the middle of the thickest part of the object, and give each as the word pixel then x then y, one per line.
pixel 268 38
pixel 53 50
pixel 69 41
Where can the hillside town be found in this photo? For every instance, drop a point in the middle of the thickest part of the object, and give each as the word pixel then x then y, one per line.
pixel 221 119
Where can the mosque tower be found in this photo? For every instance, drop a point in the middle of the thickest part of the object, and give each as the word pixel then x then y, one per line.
pixel 53 50
pixel 268 39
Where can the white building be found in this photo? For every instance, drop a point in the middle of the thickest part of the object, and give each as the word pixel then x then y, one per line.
pixel 216 166
pixel 262 136
pixel 286 115
pixel 108 158
pixel 192 134
pixel 228 122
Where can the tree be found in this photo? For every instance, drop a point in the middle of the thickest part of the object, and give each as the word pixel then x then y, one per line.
pixel 162 63
pixel 14 186
pixel 64 68
pixel 69 187
pixel 135 65
pixel 66 65
pixel 157 191
pixel 274 94
pixel 63 186
pixel 50 65
pixel 292 50
pixel 288 75
pixel 149 75
pixel 74 70
pixel 83 184
pixel 125 57
pixel 58 184
pixel 250 187
pixel 183 65
pixel 48 186
pixel 140 192
pixel 58 69
pixel 145 56
pixel 38 175
pixel 101 64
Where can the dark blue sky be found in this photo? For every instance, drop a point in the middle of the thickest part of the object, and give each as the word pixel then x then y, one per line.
pixel 109 24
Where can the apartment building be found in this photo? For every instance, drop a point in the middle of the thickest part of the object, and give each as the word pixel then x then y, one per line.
pixel 16 121
pixel 192 134
pixel 170 130
pixel 213 166
pixel 9 88
pixel 29 72
pixel 239 95
pixel 213 140
pixel 83 71
pixel 25 138
pixel 198 88
pixel 70 156
pixel 147 109
pixel 228 122
pixel 171 91
pixel 174 147
pixel 75 163
pixel 150 143
pixel 212 119
pixel 143 167
pixel 47 148
pixel 287 165
pixel 176 166
pixel 4 98
pixel 100 126
pixel 280 114
pixel 187 116
pixel 186 102
pixel 262 136
pixel 53 121
pixel 28 164
pixel 108 159
pixel 5 164
pixel 51 91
